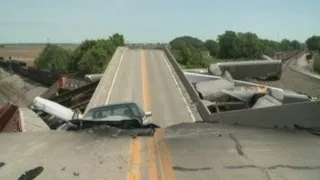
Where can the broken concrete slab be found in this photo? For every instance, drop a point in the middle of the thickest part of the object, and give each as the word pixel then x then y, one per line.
pixel 266 101
pixel 212 90
pixel 287 97
pixel 245 93
pixel 215 70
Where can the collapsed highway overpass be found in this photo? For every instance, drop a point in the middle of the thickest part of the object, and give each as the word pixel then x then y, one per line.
pixel 189 150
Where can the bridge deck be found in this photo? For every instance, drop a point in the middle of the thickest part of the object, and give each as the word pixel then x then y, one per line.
pixel 145 77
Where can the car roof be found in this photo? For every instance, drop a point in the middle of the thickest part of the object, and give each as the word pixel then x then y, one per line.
pixel 114 104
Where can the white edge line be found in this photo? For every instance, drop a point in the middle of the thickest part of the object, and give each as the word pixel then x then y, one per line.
pixel 176 82
pixel 114 77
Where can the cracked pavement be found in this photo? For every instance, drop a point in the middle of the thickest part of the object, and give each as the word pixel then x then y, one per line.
pixel 197 151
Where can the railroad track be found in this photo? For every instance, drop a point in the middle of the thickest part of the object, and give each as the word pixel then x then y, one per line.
pixel 294 81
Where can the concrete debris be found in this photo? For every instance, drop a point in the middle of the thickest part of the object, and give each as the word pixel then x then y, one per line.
pixel 226 75
pixel 245 93
pixel 287 97
pixel 215 70
pixel 266 101
pixel 208 103
pixel 212 90
pixel 227 94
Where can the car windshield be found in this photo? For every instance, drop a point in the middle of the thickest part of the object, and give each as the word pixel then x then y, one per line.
pixel 129 109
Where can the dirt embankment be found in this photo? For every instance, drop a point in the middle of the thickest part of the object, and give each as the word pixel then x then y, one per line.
pixel 19 90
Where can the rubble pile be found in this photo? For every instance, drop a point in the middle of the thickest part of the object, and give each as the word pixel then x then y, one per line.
pixel 224 95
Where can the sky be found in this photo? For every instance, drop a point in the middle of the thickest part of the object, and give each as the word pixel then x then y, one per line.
pixel 71 21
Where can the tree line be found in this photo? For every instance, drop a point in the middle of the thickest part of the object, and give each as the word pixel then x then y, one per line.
pixel 192 52
pixel 91 56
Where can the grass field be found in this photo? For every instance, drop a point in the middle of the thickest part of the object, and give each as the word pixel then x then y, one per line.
pixel 27 52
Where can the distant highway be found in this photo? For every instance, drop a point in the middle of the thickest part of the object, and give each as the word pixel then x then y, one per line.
pixel 145 77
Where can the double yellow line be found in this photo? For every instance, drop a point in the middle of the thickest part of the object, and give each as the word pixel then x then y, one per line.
pixel 158 152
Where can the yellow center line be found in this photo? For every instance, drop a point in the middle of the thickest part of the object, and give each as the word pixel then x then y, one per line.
pixel 134 163
pixel 165 155
pixel 158 151
pixel 152 158
pixel 145 85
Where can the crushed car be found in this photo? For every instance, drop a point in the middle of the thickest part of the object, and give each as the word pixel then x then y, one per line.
pixel 122 115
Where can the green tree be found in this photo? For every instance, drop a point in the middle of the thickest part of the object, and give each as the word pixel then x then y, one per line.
pixel 316 62
pixel 213 47
pixel 285 45
pixel 250 45
pixel 117 39
pixel 93 61
pixel 295 44
pixel 313 43
pixel 229 45
pixel 178 42
pixel 53 57
pixel 78 53
pixel 91 56
pixel 188 51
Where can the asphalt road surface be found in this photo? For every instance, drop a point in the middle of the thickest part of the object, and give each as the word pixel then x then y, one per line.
pixel 145 77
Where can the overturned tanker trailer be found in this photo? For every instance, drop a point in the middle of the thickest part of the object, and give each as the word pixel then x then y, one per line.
pixel 260 69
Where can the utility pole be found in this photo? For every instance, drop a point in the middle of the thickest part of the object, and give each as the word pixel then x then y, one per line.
pixel 10 65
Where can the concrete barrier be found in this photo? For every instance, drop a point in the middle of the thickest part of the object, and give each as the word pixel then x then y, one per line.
pixel 187 84
pixel 304 114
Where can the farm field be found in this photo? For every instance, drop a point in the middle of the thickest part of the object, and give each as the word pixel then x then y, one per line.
pixel 26 52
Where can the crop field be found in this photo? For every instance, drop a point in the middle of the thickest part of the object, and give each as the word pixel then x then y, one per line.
pixel 26 52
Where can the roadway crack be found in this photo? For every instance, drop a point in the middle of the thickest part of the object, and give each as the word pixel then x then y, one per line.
pixel 239 149
pixel 238 145
pixel 179 168
pixel 31 174
pixel 316 167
